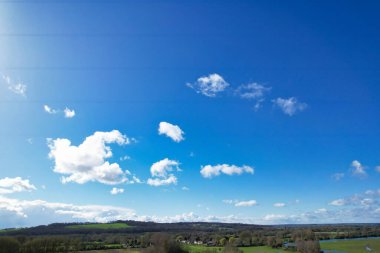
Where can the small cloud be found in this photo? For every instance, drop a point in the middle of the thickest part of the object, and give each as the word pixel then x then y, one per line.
pixel 185 188
pixel 162 172
pixel 279 205
pixel 115 191
pixel 289 106
pixel 50 110
pixel 253 91
pixel 338 202
pixel 238 203
pixel 69 113
pixel 337 176
pixel 172 131
pixel 29 140
pixel 192 154
pixel 377 169
pixel 210 171
pixel 358 169
pixel 124 158
pixel 246 203
pixel 209 85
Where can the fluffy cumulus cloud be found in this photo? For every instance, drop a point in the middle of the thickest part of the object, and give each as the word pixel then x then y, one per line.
pixel 162 172
pixel 16 87
pixel 87 161
pixel 210 171
pixel 289 106
pixel 172 131
pixel 69 113
pixel 116 190
pixel 209 85
pixel 279 205
pixel 17 184
pixel 358 169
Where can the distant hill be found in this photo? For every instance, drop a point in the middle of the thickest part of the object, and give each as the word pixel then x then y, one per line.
pixel 129 227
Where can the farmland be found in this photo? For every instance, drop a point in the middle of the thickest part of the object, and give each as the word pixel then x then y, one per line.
pixel 94 226
pixel 352 246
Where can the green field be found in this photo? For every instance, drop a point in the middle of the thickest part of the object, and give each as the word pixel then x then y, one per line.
pixel 260 249
pixel 99 226
pixel 113 251
pixel 352 246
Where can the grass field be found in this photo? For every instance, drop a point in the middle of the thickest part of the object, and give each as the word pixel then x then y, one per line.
pixel 261 249
pixel 99 226
pixel 114 251
pixel 353 246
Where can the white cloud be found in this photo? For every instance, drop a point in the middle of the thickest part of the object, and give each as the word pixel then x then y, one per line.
pixel 358 169
pixel 377 169
pixel 16 87
pixel 274 217
pixel 338 176
pixel 87 162
pixel 280 204
pixel 69 113
pixel 239 203
pixel 209 85
pixel 124 158
pixel 172 131
pixel 210 171
pixel 246 203
pixel 338 202
pixel 115 191
pixel 252 91
pixel 170 179
pixel 368 198
pixel 162 172
pixel 289 106
pixel 184 188
pixel 17 184
pixel 50 110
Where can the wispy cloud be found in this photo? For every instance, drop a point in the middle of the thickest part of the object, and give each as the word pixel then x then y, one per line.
pixel 50 110
pixel 279 204
pixel 289 106
pixel 253 91
pixel 368 198
pixel 338 176
pixel 172 131
pixel 16 87
pixel 209 85
pixel 210 171
pixel 17 184
pixel 240 203
pixel 68 113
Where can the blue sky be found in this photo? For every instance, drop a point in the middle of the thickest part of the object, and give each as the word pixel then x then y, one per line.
pixel 268 110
